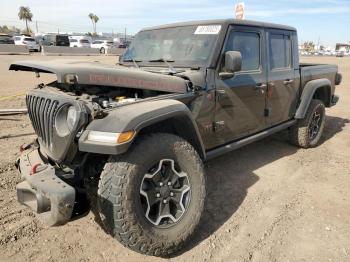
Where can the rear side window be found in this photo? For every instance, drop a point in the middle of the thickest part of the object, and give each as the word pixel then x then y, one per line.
pixel 84 41
pixel 73 40
pixel 248 44
pixel 280 51
pixel 17 38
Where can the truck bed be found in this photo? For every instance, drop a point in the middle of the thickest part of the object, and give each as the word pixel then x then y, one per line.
pixel 309 71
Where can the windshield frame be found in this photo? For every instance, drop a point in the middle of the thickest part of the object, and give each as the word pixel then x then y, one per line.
pixel 212 58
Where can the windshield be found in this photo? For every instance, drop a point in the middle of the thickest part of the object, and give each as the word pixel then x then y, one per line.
pixel 188 45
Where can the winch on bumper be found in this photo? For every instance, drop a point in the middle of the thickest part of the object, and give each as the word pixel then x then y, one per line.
pixel 43 191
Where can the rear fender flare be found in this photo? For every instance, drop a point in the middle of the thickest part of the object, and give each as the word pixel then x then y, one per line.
pixel 308 93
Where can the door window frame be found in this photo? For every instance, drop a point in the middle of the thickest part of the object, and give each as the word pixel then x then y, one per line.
pixel 244 29
pixel 288 33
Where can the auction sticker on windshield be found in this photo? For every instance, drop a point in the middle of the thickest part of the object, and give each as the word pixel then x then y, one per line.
pixel 208 30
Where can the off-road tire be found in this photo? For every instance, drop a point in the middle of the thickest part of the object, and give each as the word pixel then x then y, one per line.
pixel 299 133
pixel 118 201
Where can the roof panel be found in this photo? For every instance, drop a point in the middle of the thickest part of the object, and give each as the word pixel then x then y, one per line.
pixel 223 21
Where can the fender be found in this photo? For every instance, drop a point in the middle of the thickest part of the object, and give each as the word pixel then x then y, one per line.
pixel 136 117
pixel 308 93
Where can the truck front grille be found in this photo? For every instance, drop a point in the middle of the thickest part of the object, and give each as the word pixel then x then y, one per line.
pixel 42 113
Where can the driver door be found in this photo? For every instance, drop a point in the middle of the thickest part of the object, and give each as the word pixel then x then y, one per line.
pixel 241 100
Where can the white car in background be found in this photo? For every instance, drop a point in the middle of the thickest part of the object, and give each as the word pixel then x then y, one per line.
pixel 27 41
pixel 74 42
pixel 103 45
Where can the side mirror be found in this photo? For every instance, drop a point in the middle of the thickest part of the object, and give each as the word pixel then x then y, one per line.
pixel 233 63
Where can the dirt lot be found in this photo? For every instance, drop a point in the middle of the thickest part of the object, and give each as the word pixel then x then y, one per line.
pixel 268 201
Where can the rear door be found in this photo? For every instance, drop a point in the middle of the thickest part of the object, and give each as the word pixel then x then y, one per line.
pixel 283 81
pixel 241 99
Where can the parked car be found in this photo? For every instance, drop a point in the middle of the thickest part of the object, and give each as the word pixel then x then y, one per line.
pixel 340 54
pixel 122 45
pixel 27 41
pixel 132 138
pixel 79 42
pixel 102 45
pixel 54 40
pixel 6 39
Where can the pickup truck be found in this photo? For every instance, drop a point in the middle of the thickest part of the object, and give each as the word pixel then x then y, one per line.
pixel 130 140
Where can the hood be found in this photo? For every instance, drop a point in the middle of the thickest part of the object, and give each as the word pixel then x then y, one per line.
pixel 95 73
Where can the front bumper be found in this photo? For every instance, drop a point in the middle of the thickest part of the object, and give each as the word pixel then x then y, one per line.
pixel 44 192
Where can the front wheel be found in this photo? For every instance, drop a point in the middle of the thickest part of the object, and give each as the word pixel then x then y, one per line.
pixel 151 198
pixel 308 131
pixel 102 50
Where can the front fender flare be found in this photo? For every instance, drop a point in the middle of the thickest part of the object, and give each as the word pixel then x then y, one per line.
pixel 308 93
pixel 135 117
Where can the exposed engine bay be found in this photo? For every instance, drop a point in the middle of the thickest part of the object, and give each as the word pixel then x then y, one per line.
pixel 105 96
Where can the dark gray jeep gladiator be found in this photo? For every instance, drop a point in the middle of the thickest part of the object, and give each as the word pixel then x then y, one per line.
pixel 129 141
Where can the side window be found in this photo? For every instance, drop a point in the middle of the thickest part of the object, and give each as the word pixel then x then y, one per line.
pixel 248 43
pixel 280 51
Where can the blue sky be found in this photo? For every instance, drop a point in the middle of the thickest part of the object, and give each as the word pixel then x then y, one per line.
pixel 328 20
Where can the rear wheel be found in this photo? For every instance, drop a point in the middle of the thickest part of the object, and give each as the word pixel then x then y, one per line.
pixel 102 50
pixel 308 131
pixel 151 198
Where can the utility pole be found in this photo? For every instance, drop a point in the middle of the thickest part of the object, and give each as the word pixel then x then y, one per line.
pixel 125 35
pixel 36 25
pixel 58 31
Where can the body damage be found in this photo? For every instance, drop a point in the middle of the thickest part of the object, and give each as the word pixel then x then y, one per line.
pixel 94 73
pixel 212 106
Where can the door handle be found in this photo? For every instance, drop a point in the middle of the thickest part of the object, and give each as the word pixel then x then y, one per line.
pixel 260 86
pixel 221 92
pixel 288 81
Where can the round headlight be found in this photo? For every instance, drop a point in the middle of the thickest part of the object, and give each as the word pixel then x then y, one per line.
pixel 71 117
pixel 65 121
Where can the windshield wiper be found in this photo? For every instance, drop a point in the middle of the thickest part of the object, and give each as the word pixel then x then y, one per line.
pixel 172 70
pixel 134 61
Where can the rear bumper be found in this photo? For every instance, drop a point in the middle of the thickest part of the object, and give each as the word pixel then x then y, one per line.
pixel 44 192
pixel 334 100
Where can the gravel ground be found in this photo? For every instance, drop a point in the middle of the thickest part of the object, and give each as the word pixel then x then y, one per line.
pixel 268 201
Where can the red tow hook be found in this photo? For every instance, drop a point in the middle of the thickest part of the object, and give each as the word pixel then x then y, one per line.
pixel 34 168
pixel 24 147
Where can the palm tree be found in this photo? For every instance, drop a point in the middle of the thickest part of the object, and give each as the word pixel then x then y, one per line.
pixel 91 16
pixel 26 15
pixel 96 18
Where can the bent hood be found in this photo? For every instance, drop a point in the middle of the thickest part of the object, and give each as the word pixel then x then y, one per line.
pixel 95 73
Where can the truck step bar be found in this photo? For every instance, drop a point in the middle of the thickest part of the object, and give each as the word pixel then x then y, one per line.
pixel 245 141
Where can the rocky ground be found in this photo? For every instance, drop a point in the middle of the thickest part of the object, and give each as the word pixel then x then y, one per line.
pixel 268 201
